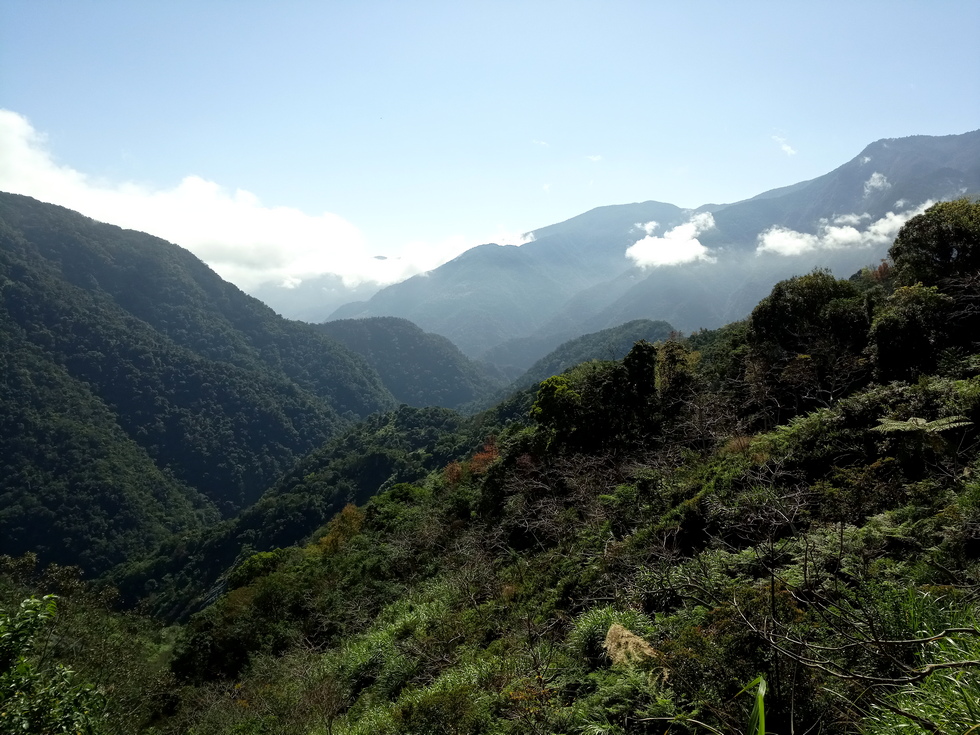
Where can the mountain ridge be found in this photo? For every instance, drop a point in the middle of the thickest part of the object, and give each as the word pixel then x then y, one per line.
pixel 419 368
pixel 582 280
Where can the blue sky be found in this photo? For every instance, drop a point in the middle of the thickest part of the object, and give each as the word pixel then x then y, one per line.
pixel 278 140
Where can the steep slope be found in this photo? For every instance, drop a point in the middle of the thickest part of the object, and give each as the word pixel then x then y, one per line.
pixel 841 221
pixel 74 488
pixel 178 296
pixel 401 446
pixel 419 368
pixel 913 169
pixel 192 387
pixel 787 506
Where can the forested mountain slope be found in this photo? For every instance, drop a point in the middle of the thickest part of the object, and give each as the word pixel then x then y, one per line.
pixel 419 368
pixel 387 449
pixel 74 487
pixel 792 497
pixel 194 390
pixel 778 520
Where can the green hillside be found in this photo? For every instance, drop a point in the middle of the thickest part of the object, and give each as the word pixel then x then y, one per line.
pixel 398 447
pixel 137 384
pixel 74 488
pixel 419 368
pixel 773 527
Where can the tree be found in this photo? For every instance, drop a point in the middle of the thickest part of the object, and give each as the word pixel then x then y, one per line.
pixel 641 370
pixel 909 331
pixel 806 341
pixel 941 243
pixel 557 406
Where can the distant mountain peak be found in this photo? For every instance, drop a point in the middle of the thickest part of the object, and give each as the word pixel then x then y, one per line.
pixel 575 275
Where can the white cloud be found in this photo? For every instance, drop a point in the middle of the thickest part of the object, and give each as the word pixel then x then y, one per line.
pixel 877 182
pixel 839 234
pixel 783 241
pixel 546 187
pixel 851 219
pixel 648 227
pixel 865 159
pixel 784 146
pixel 678 245
pixel 243 240
pixel 594 159
pixel 541 143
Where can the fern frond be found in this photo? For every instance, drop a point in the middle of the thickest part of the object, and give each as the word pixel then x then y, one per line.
pixel 950 422
pixel 919 424
pixel 888 425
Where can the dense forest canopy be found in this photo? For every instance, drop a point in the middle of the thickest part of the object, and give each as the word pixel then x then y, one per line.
pixel 419 368
pixel 142 394
pixel 773 526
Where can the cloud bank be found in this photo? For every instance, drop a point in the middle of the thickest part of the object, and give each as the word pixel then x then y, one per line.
pixel 837 234
pixel 242 239
pixel 678 245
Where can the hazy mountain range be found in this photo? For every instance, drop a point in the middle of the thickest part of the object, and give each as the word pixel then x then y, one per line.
pixel 510 305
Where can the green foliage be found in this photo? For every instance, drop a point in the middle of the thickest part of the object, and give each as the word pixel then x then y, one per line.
pixel 920 425
pixel 257 565
pixel 35 696
pixel 419 368
pixel 909 332
pixel 398 447
pixel 74 487
pixel 941 243
pixel 557 406
pixel 757 720
pixel 617 552
pixel 609 344
pixel 807 338
pixel 943 702
pixel 454 703
pixel 135 381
